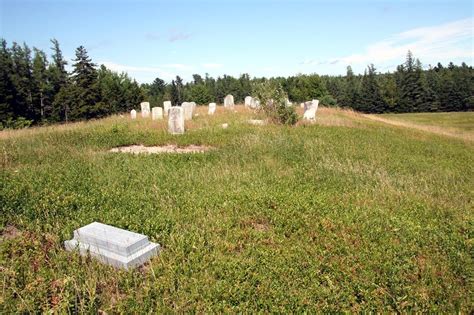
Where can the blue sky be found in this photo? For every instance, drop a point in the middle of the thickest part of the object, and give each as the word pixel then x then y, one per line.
pixel 163 39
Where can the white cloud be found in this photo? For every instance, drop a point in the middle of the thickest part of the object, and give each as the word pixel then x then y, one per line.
pixel 443 42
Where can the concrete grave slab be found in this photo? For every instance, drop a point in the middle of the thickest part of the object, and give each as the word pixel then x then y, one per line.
pixel 113 246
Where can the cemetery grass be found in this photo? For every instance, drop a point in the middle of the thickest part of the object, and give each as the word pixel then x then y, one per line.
pixel 344 214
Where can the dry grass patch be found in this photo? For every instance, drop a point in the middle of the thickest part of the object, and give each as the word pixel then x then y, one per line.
pixel 170 148
pixel 445 131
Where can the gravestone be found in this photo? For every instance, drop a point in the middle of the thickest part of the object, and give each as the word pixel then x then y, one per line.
pixel 254 104
pixel 166 107
pixel 310 110
pixel 288 103
pixel 194 107
pixel 133 114
pixel 248 101
pixel 229 102
pixel 113 246
pixel 188 110
pixel 156 113
pixel 145 109
pixel 212 108
pixel 176 120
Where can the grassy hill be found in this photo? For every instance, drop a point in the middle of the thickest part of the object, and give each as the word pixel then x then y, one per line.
pixel 349 213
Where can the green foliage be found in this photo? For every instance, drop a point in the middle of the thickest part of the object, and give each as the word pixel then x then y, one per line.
pixel 371 100
pixel 273 103
pixel 328 100
pixel 18 123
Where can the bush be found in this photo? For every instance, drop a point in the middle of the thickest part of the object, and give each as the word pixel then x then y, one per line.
pixel 18 123
pixel 328 100
pixel 273 103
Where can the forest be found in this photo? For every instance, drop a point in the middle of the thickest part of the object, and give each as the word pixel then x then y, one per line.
pixel 36 90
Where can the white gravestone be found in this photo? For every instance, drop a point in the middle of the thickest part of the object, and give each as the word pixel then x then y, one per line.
pixel 176 120
pixel 212 108
pixel 310 110
pixel 166 107
pixel 145 109
pixel 133 114
pixel 113 246
pixel 254 104
pixel 156 113
pixel 188 110
pixel 229 102
pixel 194 107
pixel 248 101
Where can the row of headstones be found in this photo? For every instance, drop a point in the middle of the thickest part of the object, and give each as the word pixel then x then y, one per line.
pixel 178 114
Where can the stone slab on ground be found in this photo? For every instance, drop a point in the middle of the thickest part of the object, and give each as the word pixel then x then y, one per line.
pixel 113 246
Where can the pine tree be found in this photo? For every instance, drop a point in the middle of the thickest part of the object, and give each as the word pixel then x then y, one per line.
pixel 42 86
pixel 59 80
pixel 22 80
pixel 351 95
pixel 371 99
pixel 7 87
pixel 86 93
pixel 412 93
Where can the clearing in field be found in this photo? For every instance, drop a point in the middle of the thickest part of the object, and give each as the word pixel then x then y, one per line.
pixel 348 213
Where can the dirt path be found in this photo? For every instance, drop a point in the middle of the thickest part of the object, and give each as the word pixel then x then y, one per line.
pixel 433 129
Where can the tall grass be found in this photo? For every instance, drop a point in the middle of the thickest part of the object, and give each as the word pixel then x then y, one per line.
pixel 344 214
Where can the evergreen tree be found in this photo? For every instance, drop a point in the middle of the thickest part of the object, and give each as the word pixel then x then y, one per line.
pixel 22 80
pixel 351 95
pixel 42 87
pixel 412 94
pixel 7 87
pixel 371 100
pixel 59 79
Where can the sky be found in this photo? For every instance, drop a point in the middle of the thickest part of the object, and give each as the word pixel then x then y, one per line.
pixel 149 39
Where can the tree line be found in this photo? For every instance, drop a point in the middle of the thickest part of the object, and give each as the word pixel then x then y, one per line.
pixel 35 89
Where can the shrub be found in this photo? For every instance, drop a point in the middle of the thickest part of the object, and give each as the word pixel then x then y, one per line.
pixel 328 100
pixel 273 103
pixel 18 123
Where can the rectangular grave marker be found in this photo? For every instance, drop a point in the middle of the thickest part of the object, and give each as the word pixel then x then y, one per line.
pixel 113 246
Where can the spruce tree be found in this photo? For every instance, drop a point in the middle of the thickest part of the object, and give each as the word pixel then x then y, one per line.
pixel 59 80
pixel 351 95
pixel 7 87
pixel 371 100
pixel 86 93
pixel 22 80
pixel 42 86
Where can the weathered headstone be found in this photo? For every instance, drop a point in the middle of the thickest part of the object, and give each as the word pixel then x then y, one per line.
pixel 166 107
pixel 188 110
pixel 288 103
pixel 133 114
pixel 145 109
pixel 229 102
pixel 310 110
pixel 156 113
pixel 212 108
pixel 248 101
pixel 194 107
pixel 176 120
pixel 254 104
pixel 256 122
pixel 113 246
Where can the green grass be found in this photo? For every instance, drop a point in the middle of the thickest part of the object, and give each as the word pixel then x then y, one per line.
pixel 346 214
pixel 459 121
